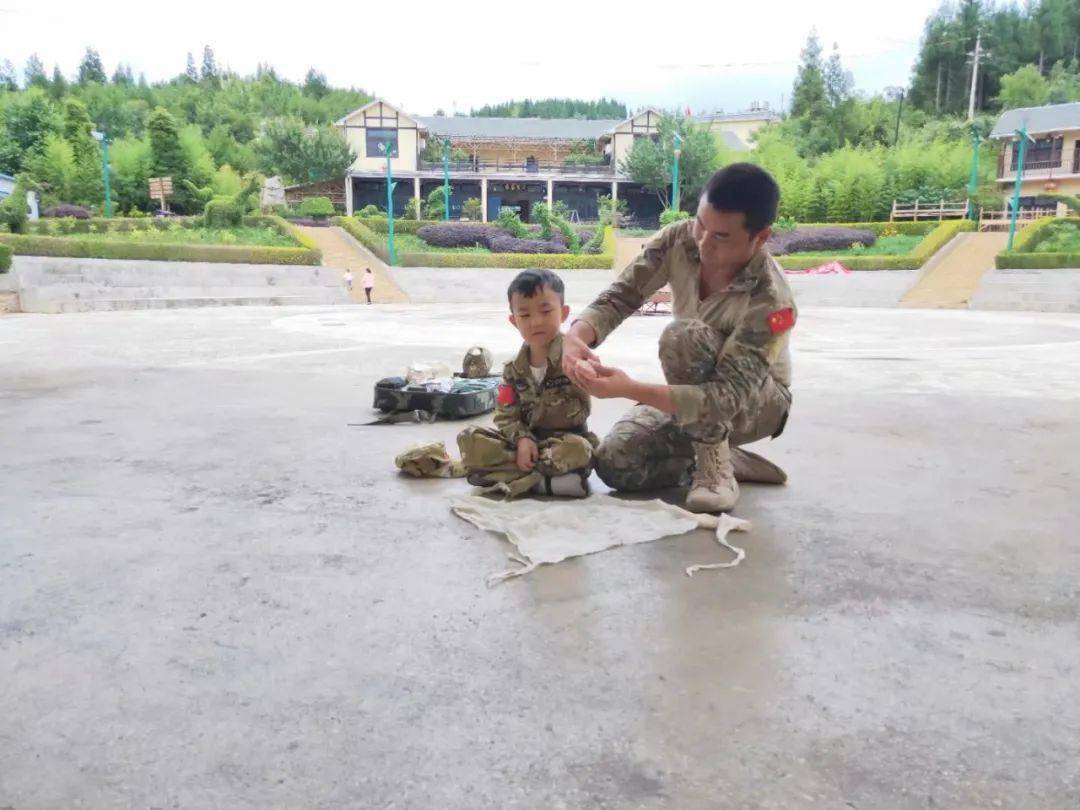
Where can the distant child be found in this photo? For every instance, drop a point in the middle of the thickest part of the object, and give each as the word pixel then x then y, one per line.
pixel 369 283
pixel 348 280
pixel 541 442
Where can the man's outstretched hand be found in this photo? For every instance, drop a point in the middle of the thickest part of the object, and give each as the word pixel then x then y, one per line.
pixel 578 358
pixel 603 382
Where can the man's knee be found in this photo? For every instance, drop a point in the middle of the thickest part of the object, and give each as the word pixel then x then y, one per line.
pixel 617 467
pixel 688 351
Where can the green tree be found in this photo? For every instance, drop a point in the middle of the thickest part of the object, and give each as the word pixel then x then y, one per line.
pixel 27 118
pixel 52 167
pixel 167 158
pixel 8 80
pixel 808 97
pixel 190 73
pixel 90 68
pixel 34 73
pixel 1064 83
pixel 303 154
pixel 85 186
pixel 1024 88
pixel 58 87
pixel 315 84
pixel 649 162
pixel 209 73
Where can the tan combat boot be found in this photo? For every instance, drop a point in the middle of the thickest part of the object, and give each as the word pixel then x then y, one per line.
pixel 752 468
pixel 713 488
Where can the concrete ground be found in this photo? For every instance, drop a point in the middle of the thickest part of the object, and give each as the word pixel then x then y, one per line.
pixel 214 593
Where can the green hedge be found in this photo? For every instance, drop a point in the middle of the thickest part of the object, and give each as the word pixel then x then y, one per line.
pixel 935 240
pixel 1011 260
pixel 375 242
pixel 364 235
pixel 5 258
pixel 902 228
pixel 1023 257
pixel 307 251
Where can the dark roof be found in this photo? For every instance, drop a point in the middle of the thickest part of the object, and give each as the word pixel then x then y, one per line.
pixel 1039 120
pixel 565 129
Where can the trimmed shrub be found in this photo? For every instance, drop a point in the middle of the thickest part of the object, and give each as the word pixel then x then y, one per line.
pixel 222 212
pixel 806 240
pixel 382 224
pixel 364 235
pixel 317 207
pixel 82 248
pixel 458 234
pixel 510 222
pixel 1011 260
pixel 66 210
pixel 471 209
pixel 412 209
pixel 5 258
pixel 508 244
pixel 369 211
pixel 554 261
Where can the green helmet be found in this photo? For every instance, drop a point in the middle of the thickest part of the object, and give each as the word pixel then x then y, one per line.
pixel 477 363
pixel 428 460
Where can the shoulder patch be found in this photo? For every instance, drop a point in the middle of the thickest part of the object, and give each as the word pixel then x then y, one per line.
pixel 507 395
pixel 781 320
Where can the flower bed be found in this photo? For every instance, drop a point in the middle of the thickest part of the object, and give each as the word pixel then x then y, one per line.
pixel 470 257
pixel 936 238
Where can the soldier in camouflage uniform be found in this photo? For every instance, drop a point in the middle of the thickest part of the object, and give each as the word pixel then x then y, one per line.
pixel 725 356
pixel 541 441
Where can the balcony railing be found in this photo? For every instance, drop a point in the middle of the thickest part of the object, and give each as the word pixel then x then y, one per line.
pixel 519 167
pixel 1055 166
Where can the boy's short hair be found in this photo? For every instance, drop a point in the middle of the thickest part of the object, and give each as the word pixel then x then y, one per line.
pixel 746 188
pixel 528 283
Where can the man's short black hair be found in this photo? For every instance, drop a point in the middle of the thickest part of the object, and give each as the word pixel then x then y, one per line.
pixel 747 188
pixel 528 283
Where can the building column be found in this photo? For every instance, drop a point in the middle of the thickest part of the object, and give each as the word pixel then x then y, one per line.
pixel 348 195
pixel 614 191
pixel 416 194
pixel 483 198
pixel 551 193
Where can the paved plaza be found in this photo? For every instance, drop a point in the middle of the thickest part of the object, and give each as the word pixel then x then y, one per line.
pixel 215 593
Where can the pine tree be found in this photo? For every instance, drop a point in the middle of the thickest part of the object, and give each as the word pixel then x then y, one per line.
pixel 209 66
pixel 189 72
pixel 8 81
pixel 34 72
pixel 86 186
pixel 167 158
pixel 808 94
pixel 90 69
pixel 58 87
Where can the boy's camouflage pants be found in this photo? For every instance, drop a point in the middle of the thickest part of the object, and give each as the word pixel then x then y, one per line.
pixel 487 452
pixel 647 450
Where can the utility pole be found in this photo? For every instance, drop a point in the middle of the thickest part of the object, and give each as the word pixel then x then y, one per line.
pixel 974 77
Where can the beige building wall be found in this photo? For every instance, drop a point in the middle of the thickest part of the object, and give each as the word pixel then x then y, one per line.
pixel 380 115
pixel 623 138
pixel 741 129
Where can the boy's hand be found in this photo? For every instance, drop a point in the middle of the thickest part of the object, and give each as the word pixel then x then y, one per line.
pixel 576 351
pixel 527 454
pixel 608 383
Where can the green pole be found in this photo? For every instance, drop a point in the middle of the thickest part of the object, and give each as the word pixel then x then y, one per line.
pixel 390 210
pixel 1022 134
pixel 446 179
pixel 973 181
pixel 675 173
pixel 105 172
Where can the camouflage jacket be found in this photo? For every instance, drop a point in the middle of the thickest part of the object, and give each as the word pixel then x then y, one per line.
pixel 754 315
pixel 526 408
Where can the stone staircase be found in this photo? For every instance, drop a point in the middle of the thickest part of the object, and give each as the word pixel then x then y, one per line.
pixel 53 285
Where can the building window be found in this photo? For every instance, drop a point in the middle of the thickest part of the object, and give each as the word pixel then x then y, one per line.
pixel 1045 153
pixel 375 137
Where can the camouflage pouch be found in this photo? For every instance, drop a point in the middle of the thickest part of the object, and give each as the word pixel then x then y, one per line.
pixel 428 460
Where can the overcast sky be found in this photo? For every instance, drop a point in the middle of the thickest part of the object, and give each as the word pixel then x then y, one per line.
pixel 423 55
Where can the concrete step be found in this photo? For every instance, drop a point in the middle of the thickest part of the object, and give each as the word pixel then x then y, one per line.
pixel 114 305
pixel 47 284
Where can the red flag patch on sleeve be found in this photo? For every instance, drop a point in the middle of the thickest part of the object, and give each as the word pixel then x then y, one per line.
pixel 507 395
pixel 781 320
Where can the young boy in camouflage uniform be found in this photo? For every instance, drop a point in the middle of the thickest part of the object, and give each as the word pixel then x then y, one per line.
pixel 541 442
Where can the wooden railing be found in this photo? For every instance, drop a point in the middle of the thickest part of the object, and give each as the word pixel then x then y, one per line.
pixel 990 220
pixel 939 211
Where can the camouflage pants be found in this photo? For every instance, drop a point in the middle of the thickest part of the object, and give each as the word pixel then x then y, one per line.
pixel 647 450
pixel 486 451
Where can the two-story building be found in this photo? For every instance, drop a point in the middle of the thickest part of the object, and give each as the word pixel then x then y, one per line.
pixel 509 162
pixel 1052 156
